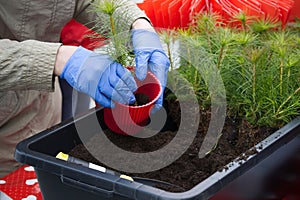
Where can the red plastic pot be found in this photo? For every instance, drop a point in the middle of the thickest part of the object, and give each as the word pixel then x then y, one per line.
pixel 129 120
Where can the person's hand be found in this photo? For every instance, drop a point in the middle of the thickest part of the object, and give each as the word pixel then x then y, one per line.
pixel 150 56
pixel 100 77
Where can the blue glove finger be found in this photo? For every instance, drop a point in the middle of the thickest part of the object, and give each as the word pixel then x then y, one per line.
pixel 150 55
pixel 127 77
pixel 144 42
pixel 144 39
pixel 110 91
pixel 108 87
pixel 121 89
pixel 141 60
pixel 103 100
pixel 113 87
pixel 159 66
pixel 158 104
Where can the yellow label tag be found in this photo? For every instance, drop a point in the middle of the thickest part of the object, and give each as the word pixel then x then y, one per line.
pixel 62 156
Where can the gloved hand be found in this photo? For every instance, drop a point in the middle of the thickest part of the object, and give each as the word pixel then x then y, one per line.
pixel 100 77
pixel 150 56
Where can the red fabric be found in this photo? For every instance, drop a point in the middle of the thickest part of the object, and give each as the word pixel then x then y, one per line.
pixel 76 34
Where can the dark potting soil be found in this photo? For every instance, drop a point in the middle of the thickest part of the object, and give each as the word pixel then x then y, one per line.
pixel 141 99
pixel 238 136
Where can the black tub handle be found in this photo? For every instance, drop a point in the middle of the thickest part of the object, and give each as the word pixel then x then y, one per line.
pixel 89 188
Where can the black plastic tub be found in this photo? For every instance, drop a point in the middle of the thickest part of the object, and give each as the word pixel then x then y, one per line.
pixel 253 179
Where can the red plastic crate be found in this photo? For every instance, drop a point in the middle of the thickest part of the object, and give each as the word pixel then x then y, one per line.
pixel 185 11
pixel 252 8
pixel 147 6
pixel 271 9
pixel 295 10
pixel 158 13
pixel 217 7
pixel 164 9
pixel 173 11
pixel 198 6
pixel 289 9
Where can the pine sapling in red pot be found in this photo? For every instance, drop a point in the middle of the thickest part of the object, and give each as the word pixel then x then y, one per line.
pixel 140 52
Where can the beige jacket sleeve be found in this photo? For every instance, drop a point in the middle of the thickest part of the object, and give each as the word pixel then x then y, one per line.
pixel 28 47
pixel 27 65
pixel 29 40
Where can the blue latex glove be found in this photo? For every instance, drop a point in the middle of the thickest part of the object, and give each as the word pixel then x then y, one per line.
pixel 150 56
pixel 100 77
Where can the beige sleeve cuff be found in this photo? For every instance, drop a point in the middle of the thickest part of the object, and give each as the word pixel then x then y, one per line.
pixel 127 14
pixel 27 65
